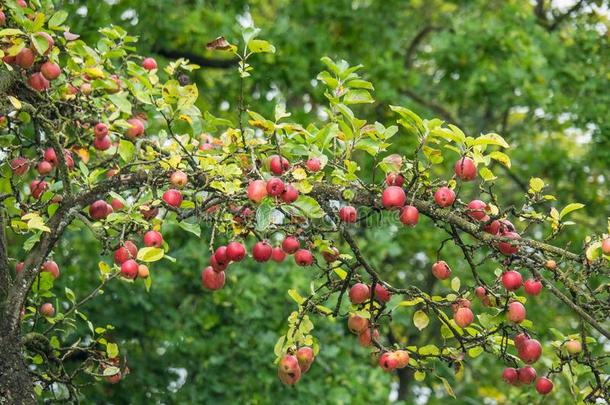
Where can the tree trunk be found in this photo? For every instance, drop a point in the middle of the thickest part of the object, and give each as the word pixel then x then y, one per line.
pixel 16 385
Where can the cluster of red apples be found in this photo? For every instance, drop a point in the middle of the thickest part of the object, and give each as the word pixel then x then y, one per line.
pixel 291 366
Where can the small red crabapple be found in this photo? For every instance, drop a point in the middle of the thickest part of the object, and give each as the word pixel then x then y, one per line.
pixel 211 279
pixel 441 270
pixel 278 255
pixel 359 293
pixel 444 197
pixel 409 215
pixel 465 169
pixel 544 385
pixel 348 214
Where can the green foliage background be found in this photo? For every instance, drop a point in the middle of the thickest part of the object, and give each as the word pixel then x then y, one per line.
pixel 487 65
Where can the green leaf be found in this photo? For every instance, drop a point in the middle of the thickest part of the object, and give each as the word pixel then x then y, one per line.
pixel 410 303
pixel 490 139
pixel 126 150
pixel 309 207
pixel 296 296
pixel 58 19
pixel 420 320
pixel 500 157
pixel 487 174
pixel 150 254
pixel 279 346
pixel 475 351
pixel 569 208
pixel 455 284
pixel 358 97
pixel 341 273
pixel 447 387
pixel 195 229
pixel 264 215
pixel 40 43
pixel 429 350
pixel 111 371
pixel 536 185
pixel 419 375
pixel 70 295
pixel 260 46
pixel 112 349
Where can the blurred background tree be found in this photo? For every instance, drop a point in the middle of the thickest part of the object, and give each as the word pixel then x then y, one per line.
pixel 534 71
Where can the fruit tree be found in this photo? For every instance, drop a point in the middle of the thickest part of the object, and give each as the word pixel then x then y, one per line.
pixel 95 138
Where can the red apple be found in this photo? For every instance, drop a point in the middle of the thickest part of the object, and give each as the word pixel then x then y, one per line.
pixel 173 198
pixel 606 246
pixel 476 210
pixel 50 70
pixel 278 165
pixel 262 251
pixel 149 64
pixel 128 251
pixel 136 128
pixel 393 197
pixel 359 293
pixel 394 179
pixel 51 267
pixel 330 254
pixel 211 279
pixel 37 188
pixel 365 337
pixel 129 269
pixel 20 166
pixel 25 58
pixel 153 238
pixel 47 310
pixel 441 270
pixel 305 357
pixel 38 82
pixel 98 210
pixel 516 312
pixel 465 169
pixel 278 255
pixel 510 375
pixel 178 179
pixel 409 215
pixel 290 194
pixel 303 257
pixel 444 197
pixel 275 187
pixel 527 374
pixel 463 317
pixel 508 248
pixel 100 130
pixel 532 287
pixel 288 370
pixel 290 244
pixel 512 280
pixel 573 347
pixel 143 271
pixel 544 385
pixel 381 293
pixel 220 255
pixel 357 324
pixel 348 214
pixel 388 362
pixel 102 143
pixel 313 165
pixel 43 167
pixel 236 251
pixel 257 190
pixel 531 351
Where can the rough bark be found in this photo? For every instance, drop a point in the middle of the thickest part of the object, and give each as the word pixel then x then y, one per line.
pixel 16 386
